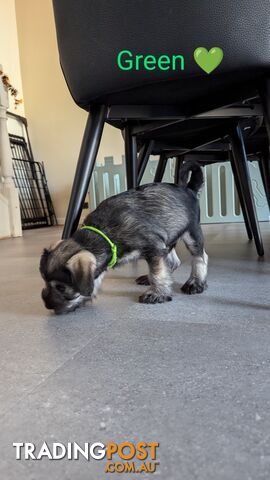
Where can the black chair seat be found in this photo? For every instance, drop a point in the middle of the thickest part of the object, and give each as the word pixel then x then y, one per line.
pixel 92 33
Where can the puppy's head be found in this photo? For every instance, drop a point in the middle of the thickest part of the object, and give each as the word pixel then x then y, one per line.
pixel 68 271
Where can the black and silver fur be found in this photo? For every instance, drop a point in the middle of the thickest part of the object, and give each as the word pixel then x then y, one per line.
pixel 143 223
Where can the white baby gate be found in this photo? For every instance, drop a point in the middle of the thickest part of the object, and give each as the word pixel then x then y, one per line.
pixel 218 199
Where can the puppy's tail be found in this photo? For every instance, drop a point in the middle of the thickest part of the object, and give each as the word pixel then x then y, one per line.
pixel 195 181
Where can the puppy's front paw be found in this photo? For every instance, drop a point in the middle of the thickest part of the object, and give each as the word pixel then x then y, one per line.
pixel 142 280
pixel 193 285
pixel 154 297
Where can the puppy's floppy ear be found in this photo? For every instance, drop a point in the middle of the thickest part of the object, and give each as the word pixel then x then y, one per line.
pixel 44 261
pixel 82 266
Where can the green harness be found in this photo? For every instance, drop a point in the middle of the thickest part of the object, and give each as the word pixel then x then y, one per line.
pixel 114 258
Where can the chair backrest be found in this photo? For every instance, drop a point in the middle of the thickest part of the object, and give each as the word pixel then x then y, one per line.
pixel 91 33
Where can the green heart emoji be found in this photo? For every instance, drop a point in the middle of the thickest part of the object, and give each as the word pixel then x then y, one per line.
pixel 208 60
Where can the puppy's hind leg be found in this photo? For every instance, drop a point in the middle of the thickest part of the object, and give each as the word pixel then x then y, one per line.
pixel 160 282
pixel 197 280
pixel 172 261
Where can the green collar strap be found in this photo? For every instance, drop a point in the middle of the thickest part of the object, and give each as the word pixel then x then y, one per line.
pixel 114 258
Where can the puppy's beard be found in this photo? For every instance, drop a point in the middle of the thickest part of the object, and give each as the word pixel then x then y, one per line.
pixel 72 305
pixel 79 300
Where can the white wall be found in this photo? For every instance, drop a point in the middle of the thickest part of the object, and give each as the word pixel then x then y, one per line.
pixel 9 50
pixel 56 124
pixel 10 224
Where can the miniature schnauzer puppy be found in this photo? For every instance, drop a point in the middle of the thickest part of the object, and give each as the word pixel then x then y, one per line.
pixel 145 222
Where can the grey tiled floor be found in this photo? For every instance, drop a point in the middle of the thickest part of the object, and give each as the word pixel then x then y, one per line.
pixel 193 374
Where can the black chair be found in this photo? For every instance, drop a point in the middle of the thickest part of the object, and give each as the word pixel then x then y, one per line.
pixel 256 150
pixel 91 34
pixel 178 142
pixel 256 147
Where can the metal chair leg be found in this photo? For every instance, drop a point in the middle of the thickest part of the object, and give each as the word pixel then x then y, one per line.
pixel 161 167
pixel 88 152
pixel 265 159
pixel 265 99
pixel 264 165
pixel 239 158
pixel 143 158
pixel 131 158
pixel 241 199
pixel 178 161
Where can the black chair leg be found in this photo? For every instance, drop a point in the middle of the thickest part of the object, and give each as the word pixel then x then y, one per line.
pixel 239 158
pixel 88 152
pixel 265 161
pixel 178 162
pixel 161 167
pixel 143 158
pixel 131 158
pixel 241 199
pixel 265 99
pixel 264 165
